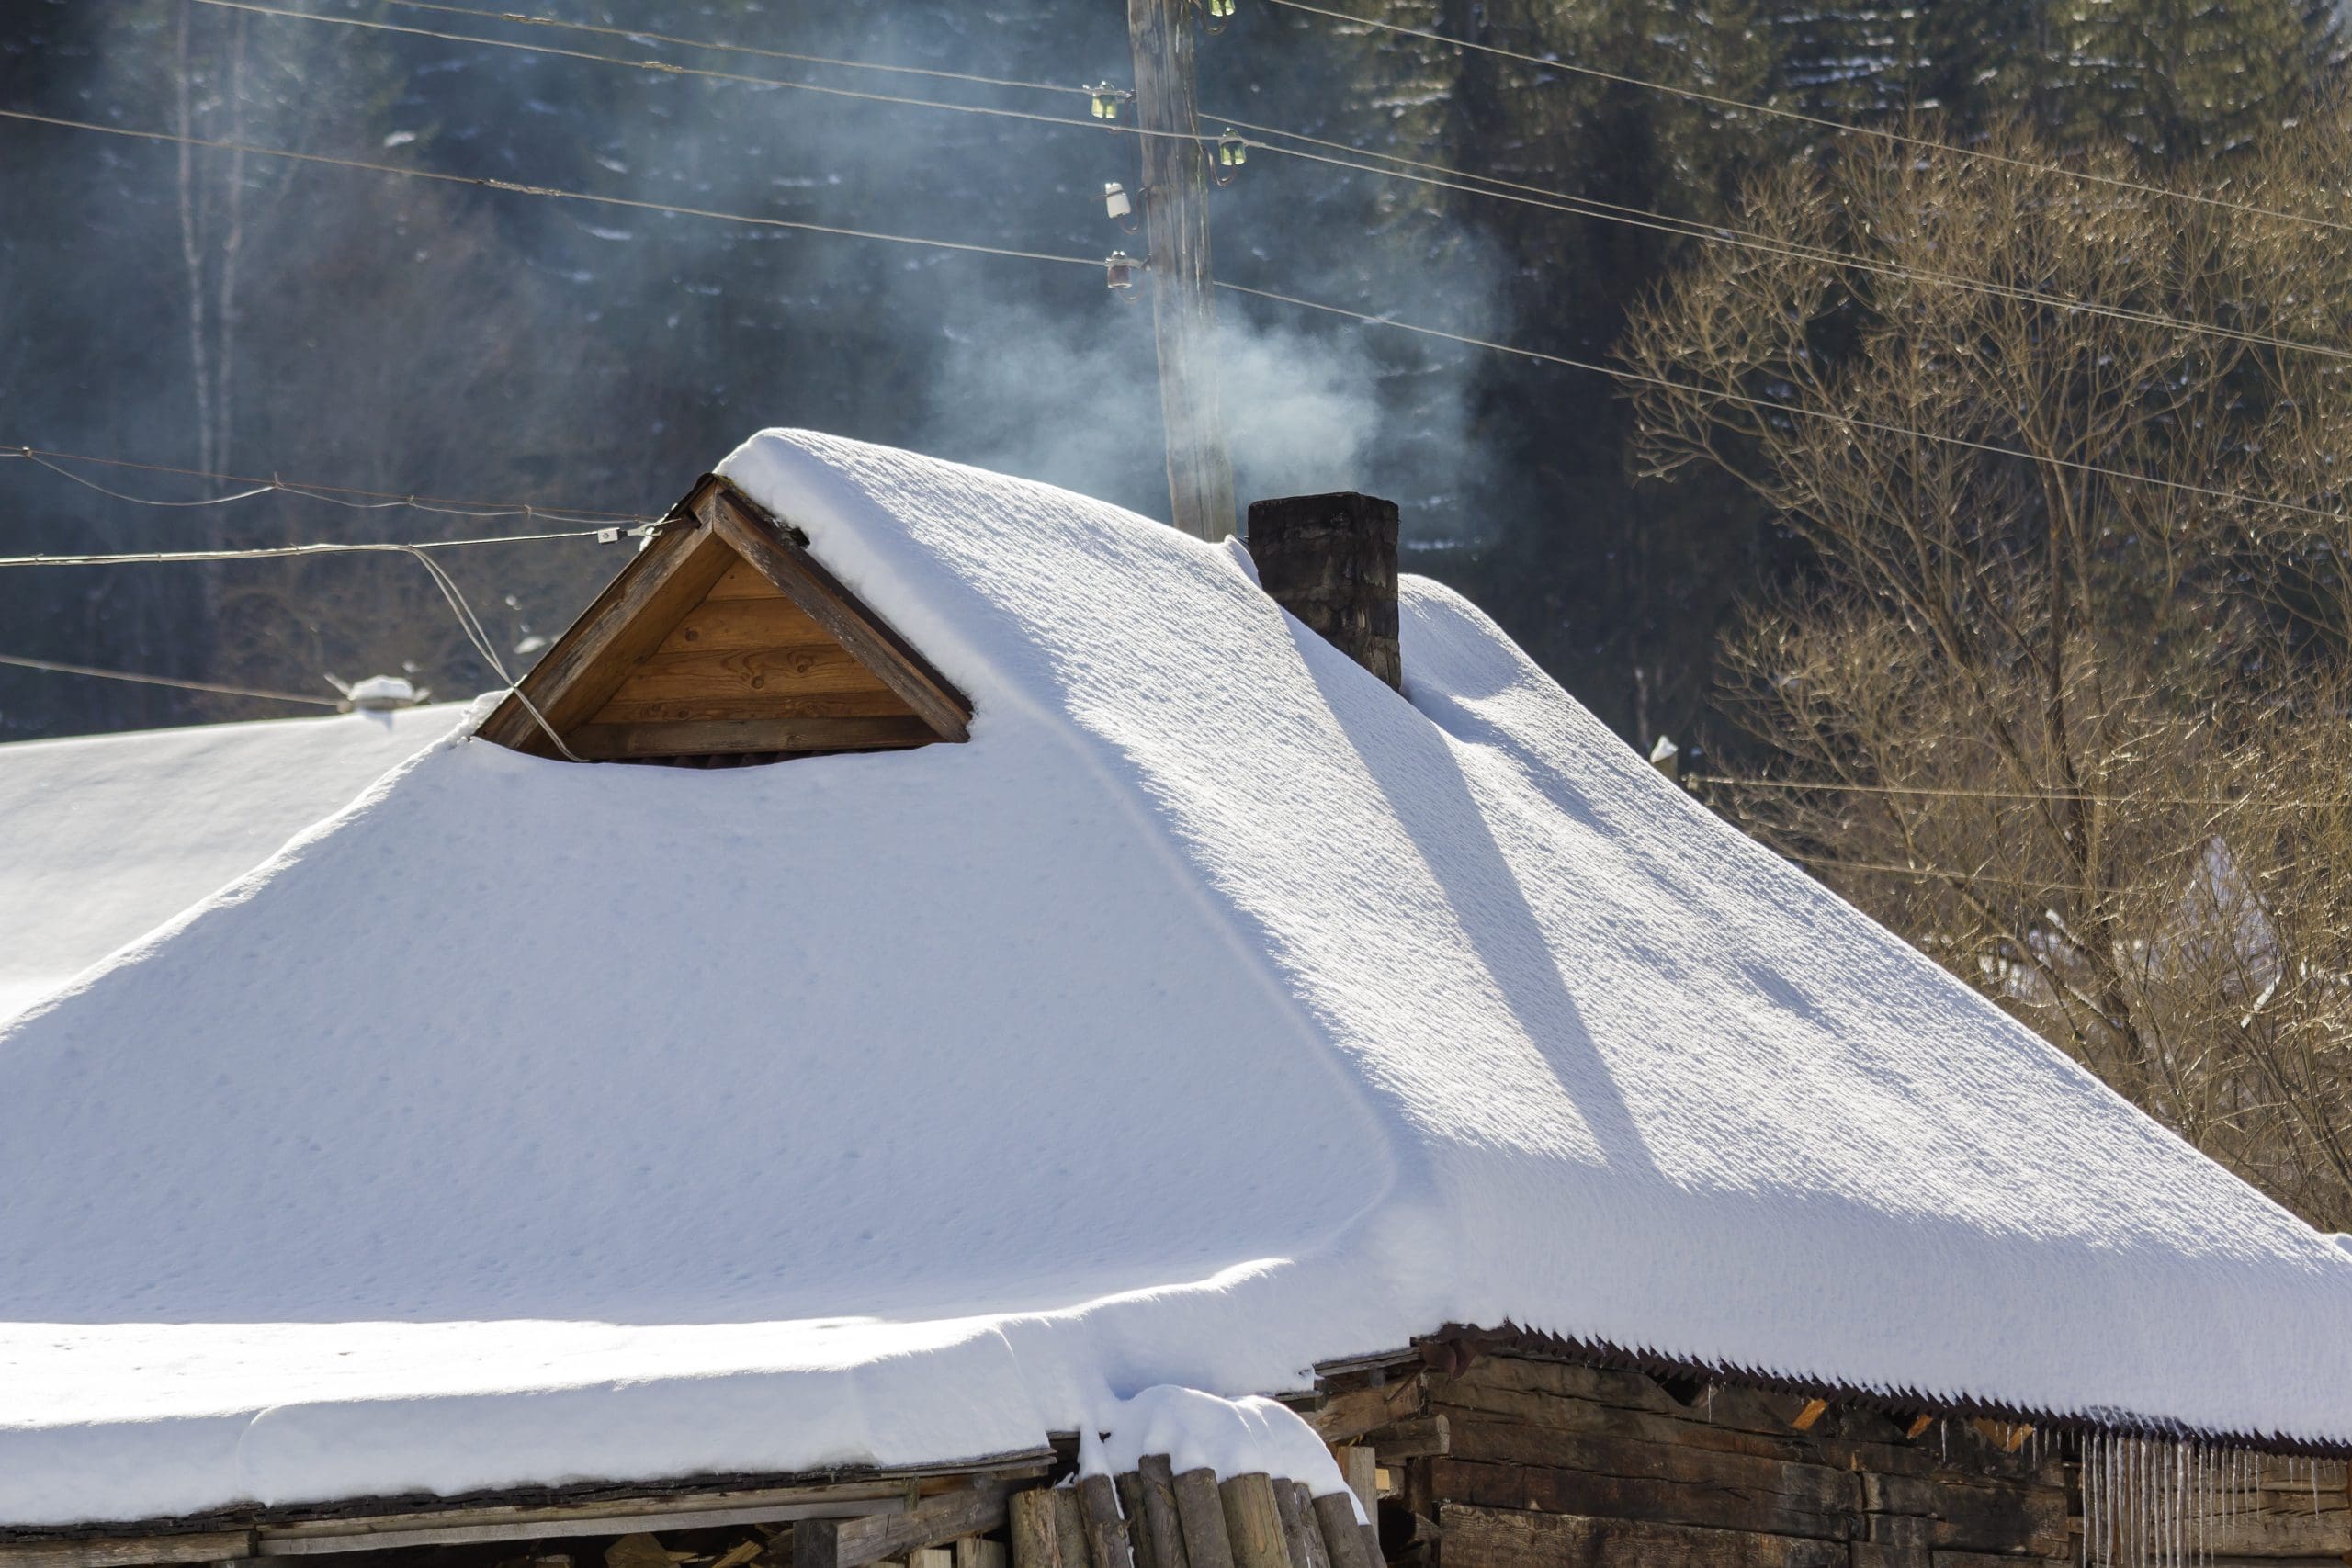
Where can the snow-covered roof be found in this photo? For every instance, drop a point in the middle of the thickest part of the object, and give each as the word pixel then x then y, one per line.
pixel 1216 1011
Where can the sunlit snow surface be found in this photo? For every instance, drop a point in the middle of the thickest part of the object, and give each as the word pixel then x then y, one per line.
pixel 1213 1012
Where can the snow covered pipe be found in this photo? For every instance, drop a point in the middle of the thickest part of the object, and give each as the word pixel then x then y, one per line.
pixel 1331 561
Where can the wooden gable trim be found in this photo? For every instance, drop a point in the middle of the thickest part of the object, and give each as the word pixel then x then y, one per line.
pixel 714 529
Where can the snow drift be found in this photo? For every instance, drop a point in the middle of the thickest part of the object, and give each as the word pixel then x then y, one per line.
pixel 1214 1011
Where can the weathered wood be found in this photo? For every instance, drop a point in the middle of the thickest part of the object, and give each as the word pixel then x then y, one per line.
pixel 1069 1526
pixel 625 622
pixel 714 674
pixel 1665 1499
pixel 129 1551
pixel 1607 1476
pixel 1253 1521
pixel 1343 1533
pixel 1814 1410
pixel 932 1556
pixel 1139 1543
pixel 852 1543
pixel 1345 1416
pixel 1037 1543
pixel 1183 309
pixel 1491 1538
pixel 1359 1467
pixel 1106 1532
pixel 974 1551
pixel 1415 1439
pixel 1159 1521
pixel 804 580
pixel 1201 1514
pixel 1302 1537
pixel 1331 561
pixel 1970 1515
pixel 620 741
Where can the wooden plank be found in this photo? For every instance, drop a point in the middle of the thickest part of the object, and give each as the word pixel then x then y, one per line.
pixel 975 1551
pixel 618 742
pixel 1201 1515
pixel 1130 1487
pixel 129 1551
pixel 625 623
pixel 1343 1543
pixel 1755 1492
pixel 1345 1417
pixel 273 1543
pixel 704 675
pixel 852 1543
pixel 878 702
pixel 717 626
pixel 1663 1498
pixel 1253 1521
pixel 742 579
pixel 806 581
pixel 1106 1532
pixel 1037 1543
pixel 1301 1535
pixel 930 1557
pixel 1493 1538
pixel 1161 1523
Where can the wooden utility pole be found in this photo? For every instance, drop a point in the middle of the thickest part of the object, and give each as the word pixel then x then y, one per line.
pixel 1176 224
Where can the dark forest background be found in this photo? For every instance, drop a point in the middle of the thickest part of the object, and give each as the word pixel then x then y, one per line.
pixel 240 313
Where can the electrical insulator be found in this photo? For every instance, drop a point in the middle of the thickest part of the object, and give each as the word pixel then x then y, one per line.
pixel 1106 99
pixel 1231 151
pixel 1114 199
pixel 1119 271
pixel 1220 8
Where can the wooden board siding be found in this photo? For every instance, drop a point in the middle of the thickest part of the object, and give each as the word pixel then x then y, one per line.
pixel 724 638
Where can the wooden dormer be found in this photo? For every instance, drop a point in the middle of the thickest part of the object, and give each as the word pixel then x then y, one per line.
pixel 726 641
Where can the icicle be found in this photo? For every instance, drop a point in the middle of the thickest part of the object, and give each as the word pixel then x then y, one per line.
pixel 2311 1465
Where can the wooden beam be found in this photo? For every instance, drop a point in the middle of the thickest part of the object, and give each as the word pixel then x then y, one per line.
pixel 852 1543
pixel 627 622
pixel 273 1544
pixel 714 737
pixel 804 579
pixel 129 1551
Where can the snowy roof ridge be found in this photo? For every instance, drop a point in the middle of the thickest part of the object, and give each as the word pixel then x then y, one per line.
pixel 1215 1013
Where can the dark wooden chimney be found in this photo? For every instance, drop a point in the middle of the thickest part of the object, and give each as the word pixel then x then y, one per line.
pixel 1331 561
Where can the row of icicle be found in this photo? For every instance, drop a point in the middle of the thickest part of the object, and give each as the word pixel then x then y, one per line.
pixel 2156 1503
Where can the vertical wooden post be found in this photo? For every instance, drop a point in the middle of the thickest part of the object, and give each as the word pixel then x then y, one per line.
pixel 1183 311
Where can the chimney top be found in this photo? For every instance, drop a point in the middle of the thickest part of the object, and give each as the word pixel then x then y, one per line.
pixel 1331 561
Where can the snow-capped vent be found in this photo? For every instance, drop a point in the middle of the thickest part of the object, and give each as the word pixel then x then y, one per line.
pixel 382 693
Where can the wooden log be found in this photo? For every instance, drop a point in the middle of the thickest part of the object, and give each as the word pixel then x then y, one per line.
pixel 1201 1515
pixel 1359 1467
pixel 1106 1533
pixel 1663 1499
pixel 1343 1543
pixel 1962 1515
pixel 1495 1537
pixel 1130 1487
pixel 1417 1438
pixel 1254 1522
pixel 1159 1521
pixel 1347 1417
pixel 1301 1537
pixel 1069 1526
pixel 974 1551
pixel 1036 1542
pixel 932 1556
pixel 852 1543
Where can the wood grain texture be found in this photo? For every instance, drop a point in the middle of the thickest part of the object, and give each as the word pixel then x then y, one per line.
pixel 1037 1541
pixel 129 1551
pixel 806 581
pixel 1201 1514
pixel 1343 1534
pixel 1254 1522
pixel 1106 1532
pixel 1747 1499
pixel 852 1543
pixel 1495 1537
pixel 621 742
pixel 627 621
pixel 1161 1523
pixel 1301 1535
pixel 706 675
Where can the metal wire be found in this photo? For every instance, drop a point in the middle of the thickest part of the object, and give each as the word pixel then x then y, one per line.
pixel 333 495
pixel 1841 128
pixel 53 667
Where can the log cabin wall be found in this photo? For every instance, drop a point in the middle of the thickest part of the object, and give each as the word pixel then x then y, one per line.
pixel 1511 1461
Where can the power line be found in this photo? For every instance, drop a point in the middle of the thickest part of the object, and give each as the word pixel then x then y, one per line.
pixel 1583 207
pixel 667 68
pixel 519 18
pixel 1749 240
pixel 54 668
pixel 276 552
pixel 1936 792
pixel 551 192
pixel 1619 373
pixel 1919 144
pixel 333 495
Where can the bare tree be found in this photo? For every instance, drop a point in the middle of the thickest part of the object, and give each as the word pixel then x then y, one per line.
pixel 2066 703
